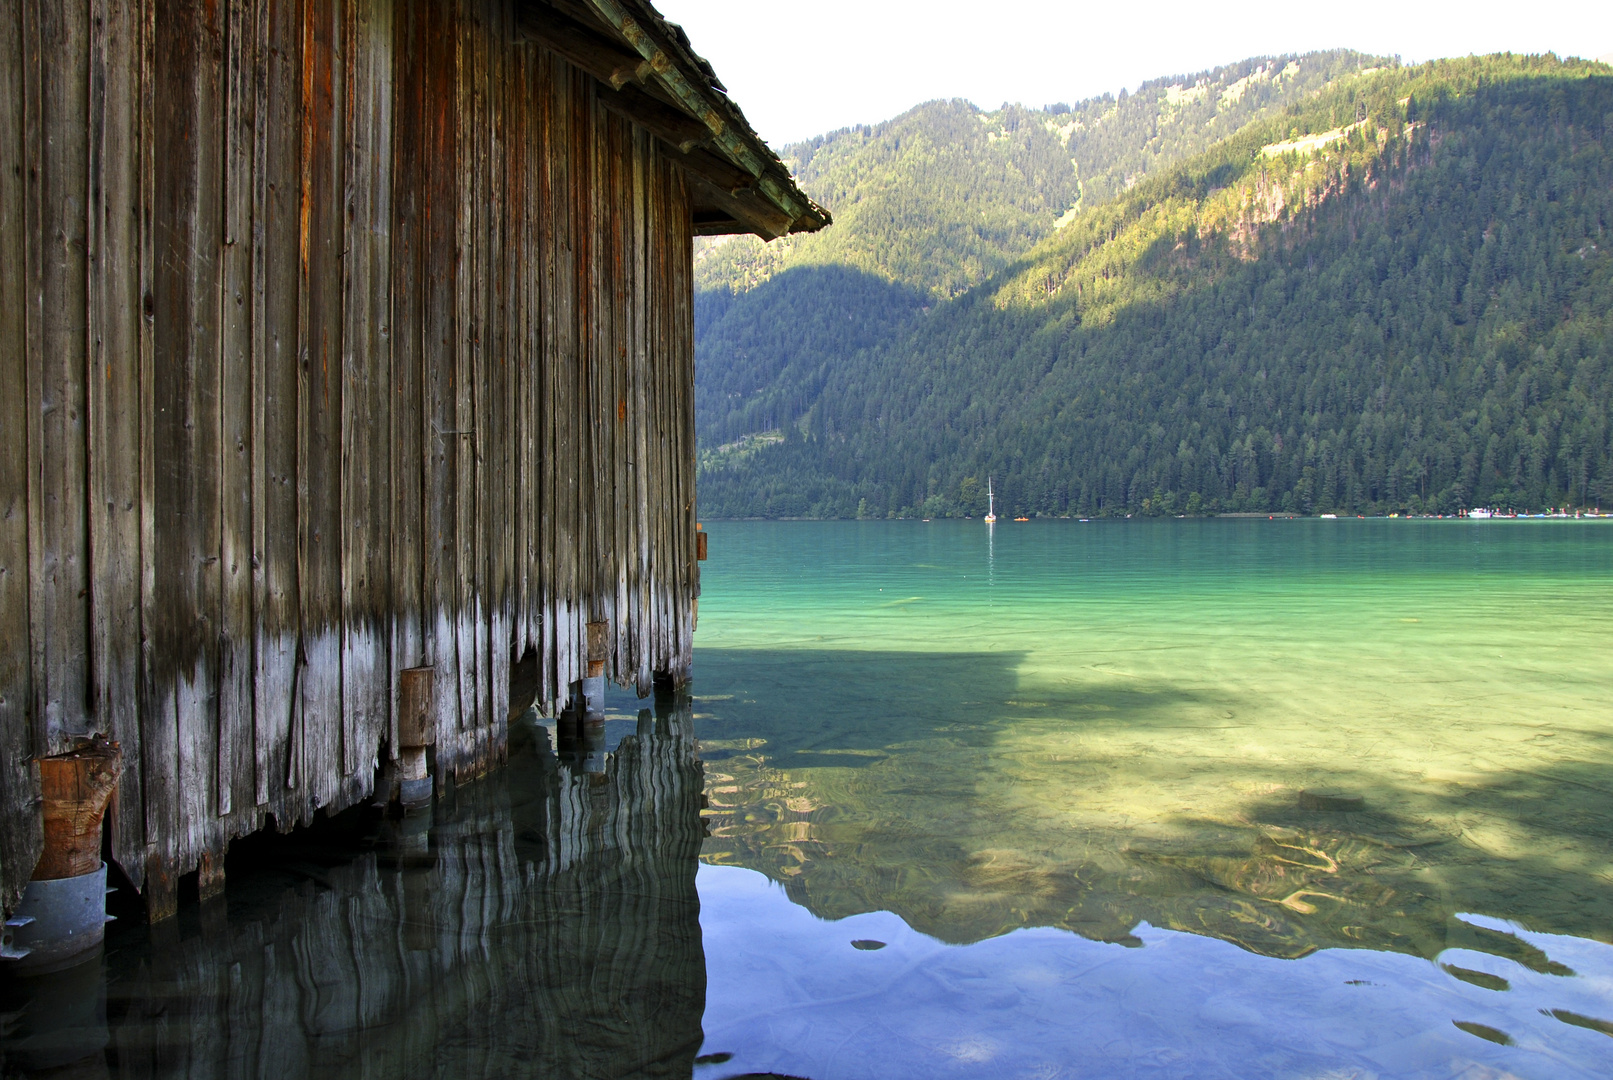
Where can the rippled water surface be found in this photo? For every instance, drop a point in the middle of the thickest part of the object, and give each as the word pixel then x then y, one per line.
pixel 1242 799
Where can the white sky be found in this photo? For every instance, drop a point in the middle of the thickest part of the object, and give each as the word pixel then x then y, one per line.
pixel 799 69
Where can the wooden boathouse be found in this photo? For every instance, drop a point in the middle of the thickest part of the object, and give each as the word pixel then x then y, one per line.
pixel 340 340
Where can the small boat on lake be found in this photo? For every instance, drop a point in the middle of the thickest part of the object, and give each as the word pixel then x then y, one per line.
pixel 991 503
pixel 1480 513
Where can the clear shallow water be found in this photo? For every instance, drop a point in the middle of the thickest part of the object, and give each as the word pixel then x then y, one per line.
pixel 1063 740
pixel 969 804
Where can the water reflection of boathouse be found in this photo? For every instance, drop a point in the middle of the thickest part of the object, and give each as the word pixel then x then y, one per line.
pixel 545 921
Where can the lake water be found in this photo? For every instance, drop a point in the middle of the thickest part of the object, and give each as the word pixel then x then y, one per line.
pixel 1058 768
pixel 1223 798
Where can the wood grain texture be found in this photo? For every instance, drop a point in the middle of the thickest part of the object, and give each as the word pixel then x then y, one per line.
pixel 115 506
pixel 57 35
pixel 354 337
pixel 20 834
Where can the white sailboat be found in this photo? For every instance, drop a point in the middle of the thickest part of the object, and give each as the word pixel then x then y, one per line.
pixel 991 503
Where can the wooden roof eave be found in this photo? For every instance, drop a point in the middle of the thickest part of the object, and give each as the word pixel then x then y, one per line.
pixel 658 82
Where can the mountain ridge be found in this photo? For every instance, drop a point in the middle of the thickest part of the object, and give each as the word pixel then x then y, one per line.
pixel 901 422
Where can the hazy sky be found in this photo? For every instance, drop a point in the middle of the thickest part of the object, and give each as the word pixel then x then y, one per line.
pixel 801 69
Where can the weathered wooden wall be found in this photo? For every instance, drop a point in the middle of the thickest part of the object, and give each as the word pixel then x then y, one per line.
pixel 338 337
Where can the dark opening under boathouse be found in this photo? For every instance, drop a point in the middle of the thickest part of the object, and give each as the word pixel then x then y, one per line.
pixel 347 362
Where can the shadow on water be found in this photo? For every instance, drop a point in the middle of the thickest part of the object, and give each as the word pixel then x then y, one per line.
pixel 542 921
pixel 923 784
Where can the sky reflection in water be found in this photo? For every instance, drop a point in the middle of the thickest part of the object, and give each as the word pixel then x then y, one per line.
pixel 789 993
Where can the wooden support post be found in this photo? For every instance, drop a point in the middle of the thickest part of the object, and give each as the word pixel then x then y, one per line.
pixel 416 714
pixel 61 919
pixel 76 786
pixel 598 648
pixel 412 763
pixel 417 730
pixel 593 688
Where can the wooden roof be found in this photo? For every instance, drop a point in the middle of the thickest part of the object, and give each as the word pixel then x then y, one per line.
pixel 649 73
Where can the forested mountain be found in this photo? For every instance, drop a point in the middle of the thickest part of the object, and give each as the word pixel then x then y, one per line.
pixel 1392 295
pixel 931 204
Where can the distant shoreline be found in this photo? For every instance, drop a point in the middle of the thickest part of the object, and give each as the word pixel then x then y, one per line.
pixel 1274 516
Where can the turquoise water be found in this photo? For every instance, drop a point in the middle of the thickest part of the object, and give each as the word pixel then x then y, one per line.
pixel 1331 788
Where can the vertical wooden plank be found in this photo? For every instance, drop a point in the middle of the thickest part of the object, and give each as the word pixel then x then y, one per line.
pixel 262 738
pixel 493 463
pixel 438 358
pixel 639 416
pixel 518 314
pixel 357 529
pixel 188 233
pixel 592 203
pixel 683 252
pixel 236 756
pixel 550 177
pixel 624 152
pixel 532 256
pixel 308 627
pixel 585 201
pixel 602 360
pixel 320 400
pixel 482 419
pixel 468 165
pixel 669 571
pixel 57 36
pixel 571 349
pixel 622 668
pixel 149 696
pixel 19 821
pixel 655 641
pixel 518 277
pixel 377 33
pixel 409 446
pixel 557 317
pixel 275 320
pixel 497 468
pixel 114 399
pixel 654 453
